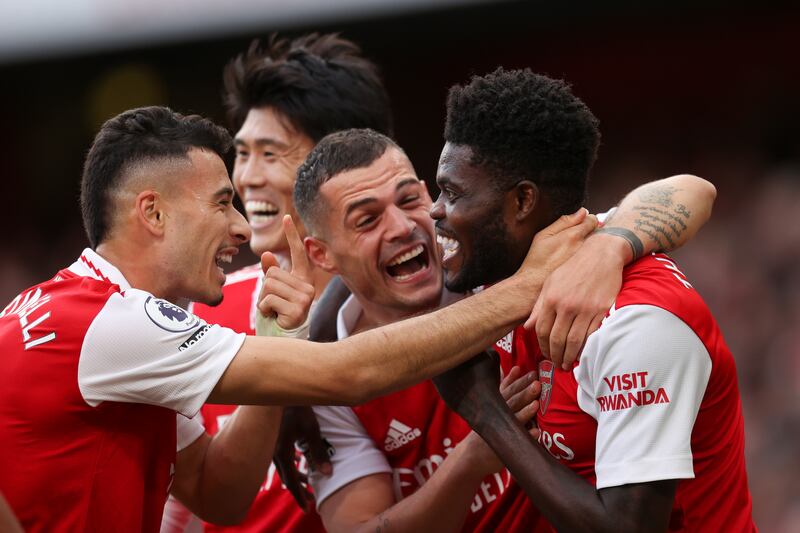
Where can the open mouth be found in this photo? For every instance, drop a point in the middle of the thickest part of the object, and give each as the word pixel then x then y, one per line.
pixel 406 265
pixel 449 246
pixel 259 211
pixel 223 258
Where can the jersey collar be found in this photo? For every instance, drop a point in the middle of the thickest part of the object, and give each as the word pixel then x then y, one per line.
pixel 90 264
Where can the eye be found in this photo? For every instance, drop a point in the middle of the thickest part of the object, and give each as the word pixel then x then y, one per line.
pixel 241 154
pixel 409 199
pixel 365 221
pixel 269 154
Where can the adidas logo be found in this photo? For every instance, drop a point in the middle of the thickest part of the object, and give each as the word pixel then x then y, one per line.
pixel 399 435
pixel 506 343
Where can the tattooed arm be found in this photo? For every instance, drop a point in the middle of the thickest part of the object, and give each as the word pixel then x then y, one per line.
pixel 659 216
pixel 664 214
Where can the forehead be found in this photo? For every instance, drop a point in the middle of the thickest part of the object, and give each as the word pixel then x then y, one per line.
pixel 267 124
pixel 205 173
pixel 378 179
pixel 455 165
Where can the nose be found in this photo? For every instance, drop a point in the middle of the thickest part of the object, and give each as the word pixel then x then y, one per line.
pixel 249 173
pixel 437 209
pixel 239 228
pixel 400 225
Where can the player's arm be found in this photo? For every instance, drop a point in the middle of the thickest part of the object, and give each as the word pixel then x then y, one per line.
pixel 442 502
pixel 218 477
pixel 641 451
pixel 659 216
pixel 373 363
pixel 8 522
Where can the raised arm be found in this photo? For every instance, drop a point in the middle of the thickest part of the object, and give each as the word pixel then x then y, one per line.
pixel 292 372
pixel 659 216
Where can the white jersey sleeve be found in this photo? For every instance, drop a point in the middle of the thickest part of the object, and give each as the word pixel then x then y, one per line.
pixel 189 429
pixel 355 454
pixel 643 376
pixel 140 349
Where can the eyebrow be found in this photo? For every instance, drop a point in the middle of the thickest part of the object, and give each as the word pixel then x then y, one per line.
pixel 224 191
pixel 368 200
pixel 261 141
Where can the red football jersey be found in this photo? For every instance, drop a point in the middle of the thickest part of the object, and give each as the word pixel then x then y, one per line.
pixel 408 434
pixel 87 429
pixel 654 396
pixel 274 508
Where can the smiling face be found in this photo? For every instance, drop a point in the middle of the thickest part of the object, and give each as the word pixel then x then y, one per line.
pixel 471 223
pixel 268 152
pixel 203 230
pixel 378 235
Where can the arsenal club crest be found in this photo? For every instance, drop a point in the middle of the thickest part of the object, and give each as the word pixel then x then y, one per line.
pixel 546 379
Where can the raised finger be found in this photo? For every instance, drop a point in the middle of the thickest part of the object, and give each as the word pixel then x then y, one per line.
pixel 300 267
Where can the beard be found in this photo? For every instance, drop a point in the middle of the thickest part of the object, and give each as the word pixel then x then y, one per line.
pixel 491 257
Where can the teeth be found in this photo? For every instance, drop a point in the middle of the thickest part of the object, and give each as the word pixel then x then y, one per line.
pixel 257 206
pixel 406 256
pixel 449 246
pixel 225 258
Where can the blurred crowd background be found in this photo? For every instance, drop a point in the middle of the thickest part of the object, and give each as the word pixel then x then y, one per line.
pixel 698 87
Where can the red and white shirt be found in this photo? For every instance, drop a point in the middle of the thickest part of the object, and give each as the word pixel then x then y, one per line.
pixel 408 434
pixel 93 373
pixel 274 508
pixel 653 397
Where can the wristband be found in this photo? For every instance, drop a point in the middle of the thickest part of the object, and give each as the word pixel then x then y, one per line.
pixel 267 326
pixel 635 242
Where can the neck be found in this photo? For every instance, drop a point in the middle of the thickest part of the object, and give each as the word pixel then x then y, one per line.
pixel 135 264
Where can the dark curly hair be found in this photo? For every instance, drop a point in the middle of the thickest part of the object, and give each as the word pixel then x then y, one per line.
pixel 137 135
pixel 334 154
pixel 320 83
pixel 522 125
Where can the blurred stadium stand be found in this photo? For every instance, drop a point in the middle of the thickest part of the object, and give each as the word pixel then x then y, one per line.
pixel 698 87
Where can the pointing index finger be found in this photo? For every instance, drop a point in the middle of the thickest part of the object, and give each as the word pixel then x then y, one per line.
pixel 300 266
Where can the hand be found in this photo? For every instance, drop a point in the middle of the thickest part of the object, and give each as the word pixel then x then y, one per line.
pixel 287 295
pixel 576 297
pixel 556 243
pixel 521 393
pixel 299 424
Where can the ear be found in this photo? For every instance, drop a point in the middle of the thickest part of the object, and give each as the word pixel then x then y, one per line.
pixel 525 195
pixel 319 254
pixel 150 212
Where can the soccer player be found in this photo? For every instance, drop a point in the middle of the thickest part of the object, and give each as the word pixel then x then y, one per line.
pixel 650 417
pixel 98 360
pixel 404 460
pixel 282 98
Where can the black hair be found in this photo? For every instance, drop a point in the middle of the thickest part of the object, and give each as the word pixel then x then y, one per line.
pixel 320 83
pixel 526 126
pixel 334 154
pixel 137 135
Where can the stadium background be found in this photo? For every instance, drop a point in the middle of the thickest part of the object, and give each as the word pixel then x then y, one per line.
pixel 698 87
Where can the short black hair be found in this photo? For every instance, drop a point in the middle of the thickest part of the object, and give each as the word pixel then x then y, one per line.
pixel 334 154
pixel 320 83
pixel 522 125
pixel 137 135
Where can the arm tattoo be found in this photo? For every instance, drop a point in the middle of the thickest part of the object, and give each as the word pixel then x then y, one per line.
pixel 635 243
pixel 660 218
